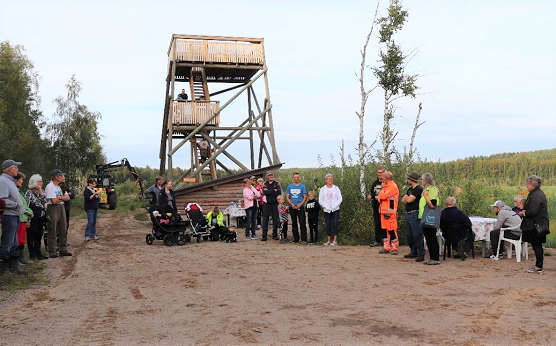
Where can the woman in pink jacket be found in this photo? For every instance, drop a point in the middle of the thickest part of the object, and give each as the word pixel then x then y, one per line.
pixel 251 200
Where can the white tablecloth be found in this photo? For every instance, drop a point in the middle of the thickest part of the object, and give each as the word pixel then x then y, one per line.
pixel 482 226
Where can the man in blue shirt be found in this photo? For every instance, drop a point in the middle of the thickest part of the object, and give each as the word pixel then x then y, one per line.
pixel 296 195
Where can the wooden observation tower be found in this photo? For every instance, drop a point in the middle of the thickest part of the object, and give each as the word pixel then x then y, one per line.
pixel 231 67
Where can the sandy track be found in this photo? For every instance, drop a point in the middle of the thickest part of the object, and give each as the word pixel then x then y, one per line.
pixel 120 291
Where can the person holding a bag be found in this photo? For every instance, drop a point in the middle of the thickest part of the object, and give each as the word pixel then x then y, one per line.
pixel 535 226
pixel 429 201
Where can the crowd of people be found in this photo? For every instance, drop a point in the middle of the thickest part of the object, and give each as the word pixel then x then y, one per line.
pixel 27 214
pixel 37 214
pixel 422 203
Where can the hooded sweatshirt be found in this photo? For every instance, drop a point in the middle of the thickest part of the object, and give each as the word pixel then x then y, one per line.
pixel 508 218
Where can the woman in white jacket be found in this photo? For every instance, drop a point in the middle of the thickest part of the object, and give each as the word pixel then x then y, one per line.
pixel 330 199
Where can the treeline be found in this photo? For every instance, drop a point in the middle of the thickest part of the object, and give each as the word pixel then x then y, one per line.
pixel 507 169
pixel 69 140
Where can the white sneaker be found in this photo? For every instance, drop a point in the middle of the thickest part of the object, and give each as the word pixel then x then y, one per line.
pixel 326 244
pixel 333 243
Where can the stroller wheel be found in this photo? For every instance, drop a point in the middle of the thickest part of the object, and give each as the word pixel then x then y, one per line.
pixel 205 238
pixel 198 239
pixel 169 240
pixel 181 239
pixel 188 237
pixel 149 239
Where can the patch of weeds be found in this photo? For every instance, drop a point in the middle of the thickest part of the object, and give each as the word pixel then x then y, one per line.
pixel 35 278
pixel 141 216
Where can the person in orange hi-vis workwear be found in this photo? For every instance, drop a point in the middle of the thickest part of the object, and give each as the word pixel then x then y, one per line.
pixel 388 200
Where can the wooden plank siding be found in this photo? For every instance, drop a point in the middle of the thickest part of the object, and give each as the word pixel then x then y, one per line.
pixel 215 196
pixel 195 112
pixel 218 192
pixel 225 52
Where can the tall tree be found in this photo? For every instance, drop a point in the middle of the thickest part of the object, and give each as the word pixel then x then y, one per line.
pixel 20 117
pixel 362 148
pixel 74 135
pixel 391 75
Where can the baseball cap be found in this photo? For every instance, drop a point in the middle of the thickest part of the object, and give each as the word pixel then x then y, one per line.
pixel 9 163
pixel 498 204
pixel 57 172
pixel 269 173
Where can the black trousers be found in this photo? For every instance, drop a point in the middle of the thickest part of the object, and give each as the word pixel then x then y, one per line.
pixel 295 215
pixel 539 253
pixel 314 229
pixel 270 209
pixel 432 243
pixel 34 236
pixel 380 233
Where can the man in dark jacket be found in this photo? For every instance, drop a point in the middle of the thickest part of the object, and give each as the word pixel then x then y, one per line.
pixel 380 233
pixel 451 214
pixel 271 190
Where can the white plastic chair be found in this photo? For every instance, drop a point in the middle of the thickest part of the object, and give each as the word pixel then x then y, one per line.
pixel 520 247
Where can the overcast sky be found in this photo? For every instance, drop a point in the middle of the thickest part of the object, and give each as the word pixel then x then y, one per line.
pixel 487 70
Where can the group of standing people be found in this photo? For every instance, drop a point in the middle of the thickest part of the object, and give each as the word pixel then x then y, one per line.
pixel 526 220
pixel 301 205
pixel 26 214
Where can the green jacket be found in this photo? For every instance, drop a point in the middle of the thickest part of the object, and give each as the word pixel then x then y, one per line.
pixel 219 218
pixel 28 212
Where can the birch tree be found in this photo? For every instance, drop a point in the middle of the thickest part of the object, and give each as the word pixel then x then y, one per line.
pixel 391 74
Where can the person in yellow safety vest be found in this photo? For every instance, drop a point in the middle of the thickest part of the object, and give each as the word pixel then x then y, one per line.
pixel 388 200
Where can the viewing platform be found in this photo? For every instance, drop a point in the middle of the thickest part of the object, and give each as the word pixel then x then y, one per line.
pixel 195 112
pixel 225 59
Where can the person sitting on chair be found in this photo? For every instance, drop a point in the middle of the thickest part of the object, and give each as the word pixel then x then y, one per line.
pixel 451 214
pixel 216 222
pixel 506 217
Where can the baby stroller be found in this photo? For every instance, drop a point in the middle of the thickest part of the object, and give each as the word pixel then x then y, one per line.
pixel 198 223
pixel 167 226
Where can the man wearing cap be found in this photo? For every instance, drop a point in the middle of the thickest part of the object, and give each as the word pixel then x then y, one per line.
pixel 271 190
pixel 57 213
pixel 413 231
pixel 506 217
pixel 451 214
pixel 9 192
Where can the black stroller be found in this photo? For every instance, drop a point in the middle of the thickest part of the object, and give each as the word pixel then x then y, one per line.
pixel 197 221
pixel 168 226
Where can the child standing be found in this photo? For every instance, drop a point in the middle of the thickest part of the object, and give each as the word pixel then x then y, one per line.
pixel 313 209
pixel 283 214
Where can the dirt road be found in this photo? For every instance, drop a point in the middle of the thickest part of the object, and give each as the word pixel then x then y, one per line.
pixel 120 291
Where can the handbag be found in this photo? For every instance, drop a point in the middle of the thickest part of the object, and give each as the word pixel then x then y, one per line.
pixel 527 225
pixel 542 229
pixel 431 217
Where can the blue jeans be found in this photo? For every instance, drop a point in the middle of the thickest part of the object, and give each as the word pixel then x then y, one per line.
pixel 331 221
pixel 8 247
pixel 251 220
pixel 91 229
pixel 414 233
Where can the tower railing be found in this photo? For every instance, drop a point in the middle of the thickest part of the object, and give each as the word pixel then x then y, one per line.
pixel 195 112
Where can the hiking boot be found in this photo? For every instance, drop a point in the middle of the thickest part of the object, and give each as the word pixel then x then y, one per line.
pixel 65 253
pixel 419 258
pixel 53 255
pixel 394 252
pixel 383 251
pixel 13 267
pixel 410 255
pixel 375 244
